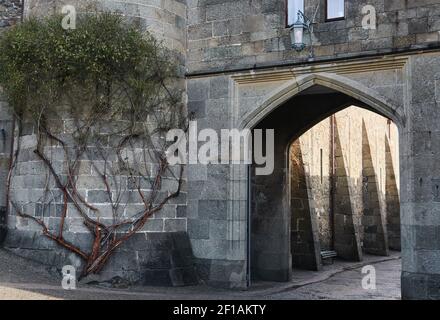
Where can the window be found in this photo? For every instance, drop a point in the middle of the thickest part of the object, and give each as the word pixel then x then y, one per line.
pixel 293 6
pixel 335 10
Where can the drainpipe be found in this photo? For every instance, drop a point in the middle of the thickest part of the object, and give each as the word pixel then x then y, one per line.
pixel 12 156
pixel 22 10
pixel 332 179
pixel 249 223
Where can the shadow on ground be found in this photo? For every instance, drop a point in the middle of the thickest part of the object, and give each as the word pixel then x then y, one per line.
pixel 24 279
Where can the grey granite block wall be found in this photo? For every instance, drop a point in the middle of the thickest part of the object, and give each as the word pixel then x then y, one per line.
pixel 243 34
pixel 160 253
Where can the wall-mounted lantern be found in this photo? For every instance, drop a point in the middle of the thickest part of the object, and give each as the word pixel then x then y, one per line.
pixel 302 27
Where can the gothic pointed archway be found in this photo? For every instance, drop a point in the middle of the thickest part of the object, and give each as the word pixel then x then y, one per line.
pixel 366 96
pixel 291 110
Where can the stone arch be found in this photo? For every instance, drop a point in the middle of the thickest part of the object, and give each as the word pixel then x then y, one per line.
pixel 354 89
pixel 283 109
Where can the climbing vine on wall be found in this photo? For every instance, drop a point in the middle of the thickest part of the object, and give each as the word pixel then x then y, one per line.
pixel 104 93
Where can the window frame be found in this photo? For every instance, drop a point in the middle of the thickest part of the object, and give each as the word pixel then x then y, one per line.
pixel 286 10
pixel 327 19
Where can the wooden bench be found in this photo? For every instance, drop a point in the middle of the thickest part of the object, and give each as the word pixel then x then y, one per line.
pixel 328 256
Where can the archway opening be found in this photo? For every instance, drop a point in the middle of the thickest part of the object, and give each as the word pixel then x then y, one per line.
pixel 334 191
pixel 344 194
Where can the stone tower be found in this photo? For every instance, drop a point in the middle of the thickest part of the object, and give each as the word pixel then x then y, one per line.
pixel 161 253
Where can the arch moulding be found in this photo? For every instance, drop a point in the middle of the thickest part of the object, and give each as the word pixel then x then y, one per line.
pixel 339 83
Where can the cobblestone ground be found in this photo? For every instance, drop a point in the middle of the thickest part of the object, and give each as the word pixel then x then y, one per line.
pixel 348 285
pixel 22 279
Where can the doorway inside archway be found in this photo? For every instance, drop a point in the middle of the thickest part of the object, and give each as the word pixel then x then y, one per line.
pixel 334 192
pixel 344 189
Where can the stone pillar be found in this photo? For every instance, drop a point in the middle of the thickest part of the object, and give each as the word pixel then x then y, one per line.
pixel 420 181
pixel 271 220
pixel 217 193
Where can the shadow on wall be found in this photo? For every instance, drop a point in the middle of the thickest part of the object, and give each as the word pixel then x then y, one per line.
pixel 375 239
pixel 304 245
pixel 392 201
pixel 347 241
pixel 3 224
pixel 340 199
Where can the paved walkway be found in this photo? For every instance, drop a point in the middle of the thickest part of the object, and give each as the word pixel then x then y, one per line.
pixel 23 279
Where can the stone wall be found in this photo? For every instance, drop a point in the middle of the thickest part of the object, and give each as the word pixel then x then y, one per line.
pixel 35 192
pixel 10 12
pixel 160 253
pixel 250 33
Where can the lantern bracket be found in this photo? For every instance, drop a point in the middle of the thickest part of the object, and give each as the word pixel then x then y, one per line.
pixel 297 29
